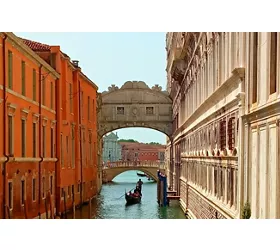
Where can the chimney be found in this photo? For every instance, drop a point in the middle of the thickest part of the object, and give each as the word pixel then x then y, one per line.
pixel 76 63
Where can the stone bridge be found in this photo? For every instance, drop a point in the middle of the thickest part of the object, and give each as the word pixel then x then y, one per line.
pixel 113 169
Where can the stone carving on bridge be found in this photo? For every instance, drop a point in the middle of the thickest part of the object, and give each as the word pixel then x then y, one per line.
pixel 134 111
pixel 157 88
pixel 126 107
pixel 113 87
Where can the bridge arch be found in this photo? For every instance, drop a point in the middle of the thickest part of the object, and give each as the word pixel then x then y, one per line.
pixel 134 104
pixel 110 173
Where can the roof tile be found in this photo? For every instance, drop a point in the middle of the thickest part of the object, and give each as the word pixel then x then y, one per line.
pixel 35 46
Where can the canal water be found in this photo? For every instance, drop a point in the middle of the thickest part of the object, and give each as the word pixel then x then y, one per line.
pixel 110 203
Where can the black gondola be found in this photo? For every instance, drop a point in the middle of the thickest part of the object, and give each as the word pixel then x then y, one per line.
pixel 131 199
pixel 142 175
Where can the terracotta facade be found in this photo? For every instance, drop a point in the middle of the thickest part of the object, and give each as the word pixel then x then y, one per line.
pixel 40 106
pixel 142 152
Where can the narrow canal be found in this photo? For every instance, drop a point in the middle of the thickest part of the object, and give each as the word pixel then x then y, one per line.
pixel 110 204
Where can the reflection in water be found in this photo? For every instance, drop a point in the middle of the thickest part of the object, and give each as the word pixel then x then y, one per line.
pixel 110 204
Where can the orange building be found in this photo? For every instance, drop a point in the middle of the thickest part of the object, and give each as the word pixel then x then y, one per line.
pixel 66 163
pixel 27 129
pixel 135 151
pixel 76 130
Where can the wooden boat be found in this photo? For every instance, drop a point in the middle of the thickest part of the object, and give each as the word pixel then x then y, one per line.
pixel 142 175
pixel 131 199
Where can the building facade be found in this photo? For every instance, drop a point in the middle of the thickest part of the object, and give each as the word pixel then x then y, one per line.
pixel 134 151
pixel 54 164
pixel 224 150
pixel 27 127
pixel 111 148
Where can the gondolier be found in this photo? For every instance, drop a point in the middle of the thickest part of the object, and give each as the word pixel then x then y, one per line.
pixel 139 185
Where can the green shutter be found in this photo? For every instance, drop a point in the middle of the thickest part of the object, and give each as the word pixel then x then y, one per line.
pixel 23 77
pixel 34 85
pixel 10 69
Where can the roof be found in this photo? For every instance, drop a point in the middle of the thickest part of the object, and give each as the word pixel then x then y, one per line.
pixel 41 47
pixel 20 44
pixel 36 46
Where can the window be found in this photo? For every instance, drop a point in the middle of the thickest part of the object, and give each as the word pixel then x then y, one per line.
pixel 43 187
pixel 273 62
pixel 88 108
pixel 93 110
pixel 78 188
pixel 43 84
pixel 90 149
pixel 34 139
pixel 82 104
pixel 52 143
pixel 67 146
pixel 10 192
pixel 10 69
pixel 231 133
pixel 73 147
pixel 52 95
pixel 71 97
pixel 44 141
pixel 10 132
pixel 120 110
pixel 51 184
pixel 149 110
pixel 61 150
pixel 62 193
pixel 69 190
pixel 22 192
pixel 34 189
pixel 255 67
pixel 23 138
pixel 223 134
pixel 23 78
pixel 34 85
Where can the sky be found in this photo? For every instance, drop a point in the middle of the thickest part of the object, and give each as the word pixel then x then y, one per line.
pixel 113 58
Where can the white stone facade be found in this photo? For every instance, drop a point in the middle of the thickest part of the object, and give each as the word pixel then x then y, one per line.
pixel 226 109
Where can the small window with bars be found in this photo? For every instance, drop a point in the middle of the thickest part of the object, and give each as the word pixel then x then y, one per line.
pixel 149 110
pixel 120 110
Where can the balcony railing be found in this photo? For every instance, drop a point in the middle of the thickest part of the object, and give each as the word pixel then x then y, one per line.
pixel 131 164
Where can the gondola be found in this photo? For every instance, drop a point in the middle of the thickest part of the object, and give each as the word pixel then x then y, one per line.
pixel 130 199
pixel 142 175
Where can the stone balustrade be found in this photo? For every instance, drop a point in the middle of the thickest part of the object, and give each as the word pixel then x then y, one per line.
pixel 130 164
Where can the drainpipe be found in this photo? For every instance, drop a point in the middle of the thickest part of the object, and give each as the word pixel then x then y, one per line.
pixel 57 137
pixel 40 139
pixel 81 141
pixel 4 128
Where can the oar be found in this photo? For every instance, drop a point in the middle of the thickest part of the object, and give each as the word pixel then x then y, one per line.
pixel 125 193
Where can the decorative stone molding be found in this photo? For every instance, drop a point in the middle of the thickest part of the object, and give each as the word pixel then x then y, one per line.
pixel 53 123
pixel 11 108
pixel 157 88
pixel 24 113
pixel 45 121
pixel 35 117
pixel 112 88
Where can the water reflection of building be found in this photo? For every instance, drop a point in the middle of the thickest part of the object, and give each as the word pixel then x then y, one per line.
pixel 111 148
pixel 132 151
